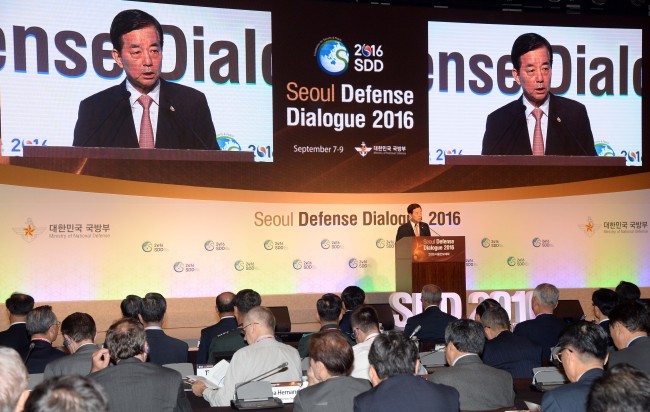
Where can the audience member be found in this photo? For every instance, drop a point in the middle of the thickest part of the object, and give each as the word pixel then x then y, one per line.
pixel 485 304
pixel 245 300
pixel 329 308
pixel 628 291
pixel 72 393
pixel 13 381
pixel 545 329
pixel 43 326
pixel 329 388
pixel 79 333
pixel 583 352
pixel 263 354
pixel 629 324
pixel 18 305
pixel 481 387
pixel 163 349
pixel 505 350
pixel 365 327
pixel 130 306
pixel 622 388
pixel 352 296
pixel 393 364
pixel 134 384
pixel 225 305
pixel 432 320
pixel 603 301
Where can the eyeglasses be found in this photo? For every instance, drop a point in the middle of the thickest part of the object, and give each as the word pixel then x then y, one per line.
pixel 353 335
pixel 558 356
pixel 242 329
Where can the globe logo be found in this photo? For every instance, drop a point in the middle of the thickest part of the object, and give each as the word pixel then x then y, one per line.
pixel 332 57
pixel 268 244
pixel 485 242
pixel 604 149
pixel 537 242
pixel 325 244
pixel 353 263
pixel 209 245
pixel 179 267
pixel 512 261
pixel 380 243
pixel 297 264
pixel 239 265
pixel 228 143
pixel 147 247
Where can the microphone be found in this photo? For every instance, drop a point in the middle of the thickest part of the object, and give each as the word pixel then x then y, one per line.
pixel 431 229
pixel 415 331
pixel 29 352
pixel 125 96
pixel 262 376
pixel 558 120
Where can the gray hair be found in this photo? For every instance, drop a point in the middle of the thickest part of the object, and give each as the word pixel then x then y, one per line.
pixel 13 379
pixel 547 295
pixel 40 319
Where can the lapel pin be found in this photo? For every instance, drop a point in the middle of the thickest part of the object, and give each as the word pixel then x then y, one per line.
pixel 559 120
pixel 173 110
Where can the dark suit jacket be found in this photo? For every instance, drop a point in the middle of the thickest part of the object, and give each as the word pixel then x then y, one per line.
pixel 605 325
pixel 407 393
pixel 406 230
pixel 544 330
pixel 211 332
pixel 184 121
pixel 512 353
pixel 164 349
pixel 16 337
pixel 303 344
pixel 568 133
pixel 571 397
pixel 637 355
pixel 42 354
pixel 481 387
pixel 79 363
pixel 132 385
pixel 345 324
pixel 433 322
pixel 229 342
pixel 334 395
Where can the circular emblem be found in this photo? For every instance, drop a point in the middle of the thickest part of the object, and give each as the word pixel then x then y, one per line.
pixel 209 245
pixel 268 244
pixel 353 263
pixel 512 261
pixel 485 242
pixel 537 242
pixel 179 267
pixel 297 264
pixel 147 247
pixel 228 143
pixel 332 57
pixel 380 243
pixel 239 265
pixel 325 244
pixel 604 149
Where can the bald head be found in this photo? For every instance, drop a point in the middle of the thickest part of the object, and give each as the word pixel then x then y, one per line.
pixel 225 304
pixel 431 295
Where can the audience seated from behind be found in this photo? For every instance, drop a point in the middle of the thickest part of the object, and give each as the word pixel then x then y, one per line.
pixel 329 309
pixel 481 387
pixel 229 342
pixel 16 336
pixel 432 320
pixel 505 350
pixel 130 306
pixel 225 306
pixel 72 393
pixel 262 354
pixel 352 296
pixel 43 326
pixel 629 323
pixel 622 388
pixel 603 301
pixel 133 384
pixel 545 329
pixel 163 349
pixel 13 381
pixel 79 331
pixel 583 352
pixel 365 328
pixel 329 388
pixel 393 364
pixel 627 291
pixel 485 304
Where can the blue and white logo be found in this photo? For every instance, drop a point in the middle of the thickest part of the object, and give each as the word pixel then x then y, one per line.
pixel 228 143
pixel 332 56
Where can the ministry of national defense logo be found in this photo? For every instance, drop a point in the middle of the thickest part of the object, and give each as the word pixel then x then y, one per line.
pixel 363 149
pixel 589 228
pixel 29 232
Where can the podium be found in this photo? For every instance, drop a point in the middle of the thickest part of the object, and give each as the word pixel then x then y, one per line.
pixel 431 259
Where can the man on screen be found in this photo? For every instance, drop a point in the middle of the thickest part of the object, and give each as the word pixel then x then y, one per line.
pixel 415 226
pixel 538 123
pixel 144 110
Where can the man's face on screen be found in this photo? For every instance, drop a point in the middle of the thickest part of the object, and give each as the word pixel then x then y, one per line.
pixel 534 75
pixel 141 58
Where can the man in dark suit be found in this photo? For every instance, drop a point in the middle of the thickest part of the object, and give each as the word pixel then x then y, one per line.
pixel 171 116
pixel 43 326
pixel 329 308
pixel 603 301
pixel 225 304
pixel 481 387
pixel 79 331
pixel 352 296
pixel 583 353
pixel 415 226
pixel 393 364
pixel 432 320
pixel 545 329
pixel 628 324
pixel 133 384
pixel 329 390
pixel 563 124
pixel 163 349
pixel 18 305
pixel 505 350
